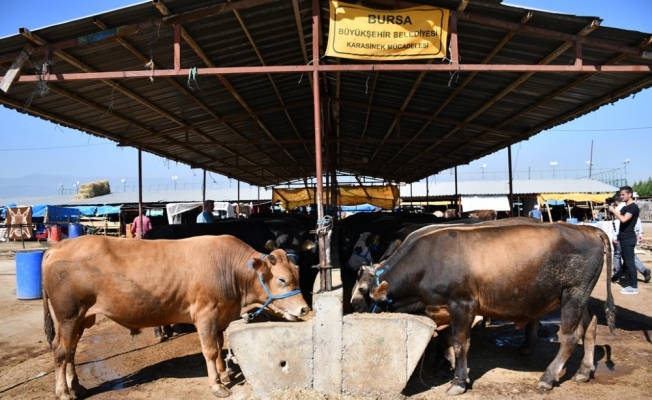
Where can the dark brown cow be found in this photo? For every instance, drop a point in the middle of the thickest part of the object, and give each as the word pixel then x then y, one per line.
pixel 530 270
pixel 208 281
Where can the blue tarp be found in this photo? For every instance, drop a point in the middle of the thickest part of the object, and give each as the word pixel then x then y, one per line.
pixel 54 213
pixel 3 210
pixel 106 210
pixel 88 211
pixel 360 208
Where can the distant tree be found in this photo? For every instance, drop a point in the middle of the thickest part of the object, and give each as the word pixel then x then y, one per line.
pixel 644 189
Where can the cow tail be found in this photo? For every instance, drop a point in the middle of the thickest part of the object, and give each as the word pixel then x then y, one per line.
pixel 48 324
pixel 609 305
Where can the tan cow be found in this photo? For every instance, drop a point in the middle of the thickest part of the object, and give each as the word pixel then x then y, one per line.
pixel 487 215
pixel 208 281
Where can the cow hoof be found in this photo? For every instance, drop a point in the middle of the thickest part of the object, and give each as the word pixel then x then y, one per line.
pixel 162 339
pixel 455 390
pixel 222 392
pixel 225 377
pixel 544 386
pixel 579 377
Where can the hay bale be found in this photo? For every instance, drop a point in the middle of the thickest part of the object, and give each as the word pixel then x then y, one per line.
pixel 93 189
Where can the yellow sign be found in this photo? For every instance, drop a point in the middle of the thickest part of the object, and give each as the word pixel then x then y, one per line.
pixel 367 34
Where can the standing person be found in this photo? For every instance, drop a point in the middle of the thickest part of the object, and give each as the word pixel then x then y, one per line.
pixel 536 213
pixel 638 230
pixel 626 235
pixel 141 226
pixel 206 216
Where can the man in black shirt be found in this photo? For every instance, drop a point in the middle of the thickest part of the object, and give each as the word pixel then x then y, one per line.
pixel 626 236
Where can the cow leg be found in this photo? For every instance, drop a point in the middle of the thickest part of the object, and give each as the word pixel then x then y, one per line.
pixel 63 348
pixel 571 316
pixel 530 342
pixel 72 380
pixel 461 320
pixel 211 347
pixel 587 331
pixel 225 374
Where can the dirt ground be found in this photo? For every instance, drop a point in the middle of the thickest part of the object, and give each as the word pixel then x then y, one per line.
pixel 112 364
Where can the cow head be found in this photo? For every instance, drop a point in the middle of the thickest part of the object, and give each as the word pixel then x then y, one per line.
pixel 294 244
pixel 362 251
pixel 361 300
pixel 278 285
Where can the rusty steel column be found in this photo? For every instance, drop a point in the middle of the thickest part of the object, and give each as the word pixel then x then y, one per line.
pixel 325 272
pixel 511 181
pixel 140 190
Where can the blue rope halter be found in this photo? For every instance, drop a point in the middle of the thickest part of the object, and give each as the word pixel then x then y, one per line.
pixel 294 257
pixel 374 246
pixel 270 297
pixel 378 273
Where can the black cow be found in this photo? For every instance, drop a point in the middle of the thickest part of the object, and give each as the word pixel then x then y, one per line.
pixel 516 273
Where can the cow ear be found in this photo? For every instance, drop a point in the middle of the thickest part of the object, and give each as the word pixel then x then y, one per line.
pixel 270 245
pixel 259 265
pixel 272 259
pixel 380 293
pixel 308 245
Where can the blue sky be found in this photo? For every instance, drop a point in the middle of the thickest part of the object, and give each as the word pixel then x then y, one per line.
pixel 619 132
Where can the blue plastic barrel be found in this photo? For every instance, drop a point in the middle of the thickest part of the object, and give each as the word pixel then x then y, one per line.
pixel 28 274
pixel 74 230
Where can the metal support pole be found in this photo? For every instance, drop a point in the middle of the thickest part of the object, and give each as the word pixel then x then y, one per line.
pixel 511 182
pixel 457 197
pixel 203 189
pixel 324 269
pixel 140 191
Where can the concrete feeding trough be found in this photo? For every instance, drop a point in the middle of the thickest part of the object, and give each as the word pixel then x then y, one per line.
pixel 332 353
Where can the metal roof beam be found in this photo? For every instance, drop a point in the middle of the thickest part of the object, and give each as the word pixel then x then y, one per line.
pixel 463 4
pixel 207 61
pixel 127 30
pixel 73 61
pixel 646 42
pixel 269 76
pixel 593 69
pixel 429 118
pixel 550 34
pixel 546 60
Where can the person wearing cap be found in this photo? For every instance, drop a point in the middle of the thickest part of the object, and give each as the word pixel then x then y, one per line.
pixel 638 229
pixel 627 236
pixel 206 216
pixel 536 213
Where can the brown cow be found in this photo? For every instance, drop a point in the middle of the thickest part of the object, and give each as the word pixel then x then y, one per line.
pixel 530 270
pixel 487 215
pixel 208 281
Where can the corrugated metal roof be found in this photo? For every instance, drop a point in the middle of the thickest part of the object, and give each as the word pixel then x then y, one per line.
pixel 524 187
pixel 396 126
pixel 170 196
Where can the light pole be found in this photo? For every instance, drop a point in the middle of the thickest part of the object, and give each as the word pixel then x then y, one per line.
pixel 483 167
pixel 61 187
pixel 553 164
pixel 174 179
pixel 590 165
pixel 625 164
pixel 124 185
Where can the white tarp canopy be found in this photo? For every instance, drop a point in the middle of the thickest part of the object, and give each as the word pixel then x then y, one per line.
pixel 221 210
pixel 474 203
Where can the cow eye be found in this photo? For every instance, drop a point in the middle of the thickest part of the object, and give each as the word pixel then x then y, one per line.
pixel 282 281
